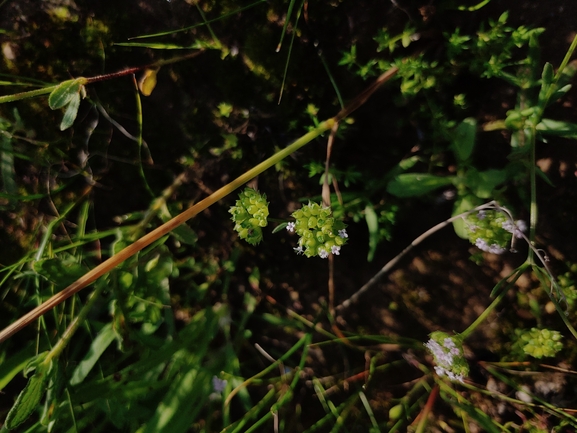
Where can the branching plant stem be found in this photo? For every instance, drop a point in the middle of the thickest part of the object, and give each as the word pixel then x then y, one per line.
pixel 194 210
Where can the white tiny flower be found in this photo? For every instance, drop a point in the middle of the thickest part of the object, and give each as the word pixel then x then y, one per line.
pixel 336 250
pixel 323 254
pixel 299 249
pixel 218 385
pixel 521 227
pixel 343 234
pixel 290 227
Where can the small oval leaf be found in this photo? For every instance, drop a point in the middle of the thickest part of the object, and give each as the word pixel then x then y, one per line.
pixel 71 112
pixel 464 138
pixel 64 93
pixel 147 83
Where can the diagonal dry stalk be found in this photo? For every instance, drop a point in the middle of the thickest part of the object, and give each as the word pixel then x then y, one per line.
pixel 180 219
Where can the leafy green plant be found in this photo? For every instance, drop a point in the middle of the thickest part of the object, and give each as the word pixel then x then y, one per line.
pixel 187 329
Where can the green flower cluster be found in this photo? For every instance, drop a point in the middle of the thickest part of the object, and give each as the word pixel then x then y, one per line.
pixel 250 215
pixel 492 231
pixel 540 342
pixel 320 234
pixel 449 357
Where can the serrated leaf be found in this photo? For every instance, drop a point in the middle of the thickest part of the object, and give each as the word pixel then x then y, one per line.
pixel 464 138
pixel 71 112
pixel 29 398
pixel 415 184
pixel 373 226
pixel 64 92
pixel 104 338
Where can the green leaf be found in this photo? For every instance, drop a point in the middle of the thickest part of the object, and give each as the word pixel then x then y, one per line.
pixel 483 183
pixel 185 234
pixel 280 227
pixel 14 365
pixel 464 138
pixel 462 205
pixel 558 128
pixel 64 93
pixel 7 171
pixel 147 82
pixel 415 184
pixel 61 271
pixel 30 396
pixel 71 112
pixel 104 338
pixel 373 226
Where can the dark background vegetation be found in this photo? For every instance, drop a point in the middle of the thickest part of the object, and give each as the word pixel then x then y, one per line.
pixel 437 287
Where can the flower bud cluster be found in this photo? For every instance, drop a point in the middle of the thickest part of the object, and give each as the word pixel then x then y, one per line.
pixel 540 342
pixel 492 231
pixel 320 234
pixel 250 215
pixel 448 354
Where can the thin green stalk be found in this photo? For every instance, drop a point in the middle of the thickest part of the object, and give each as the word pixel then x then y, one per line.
pixel 496 302
pixel 180 219
pixel 161 231
pixel 140 143
pixel 74 325
pixel 29 94
pixel 274 365
pixel 533 208
pixel 290 46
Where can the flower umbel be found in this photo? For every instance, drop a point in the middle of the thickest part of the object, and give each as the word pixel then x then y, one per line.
pixel 448 354
pixel 320 234
pixel 492 231
pixel 539 343
pixel 250 215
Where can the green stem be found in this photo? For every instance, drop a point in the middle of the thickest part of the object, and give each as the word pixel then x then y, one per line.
pixel 161 231
pixel 74 325
pixel 517 273
pixel 304 340
pixel 533 208
pixel 29 94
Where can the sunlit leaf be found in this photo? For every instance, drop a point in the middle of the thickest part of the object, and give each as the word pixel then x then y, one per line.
pixel 558 128
pixel 147 82
pixel 104 338
pixel 415 184
pixel 373 226
pixel 65 92
pixel 462 205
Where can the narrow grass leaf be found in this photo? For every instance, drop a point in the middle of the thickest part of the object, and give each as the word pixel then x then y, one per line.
pixel 104 338
pixel 7 166
pixel 14 365
pixel 373 226
pixel 415 184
